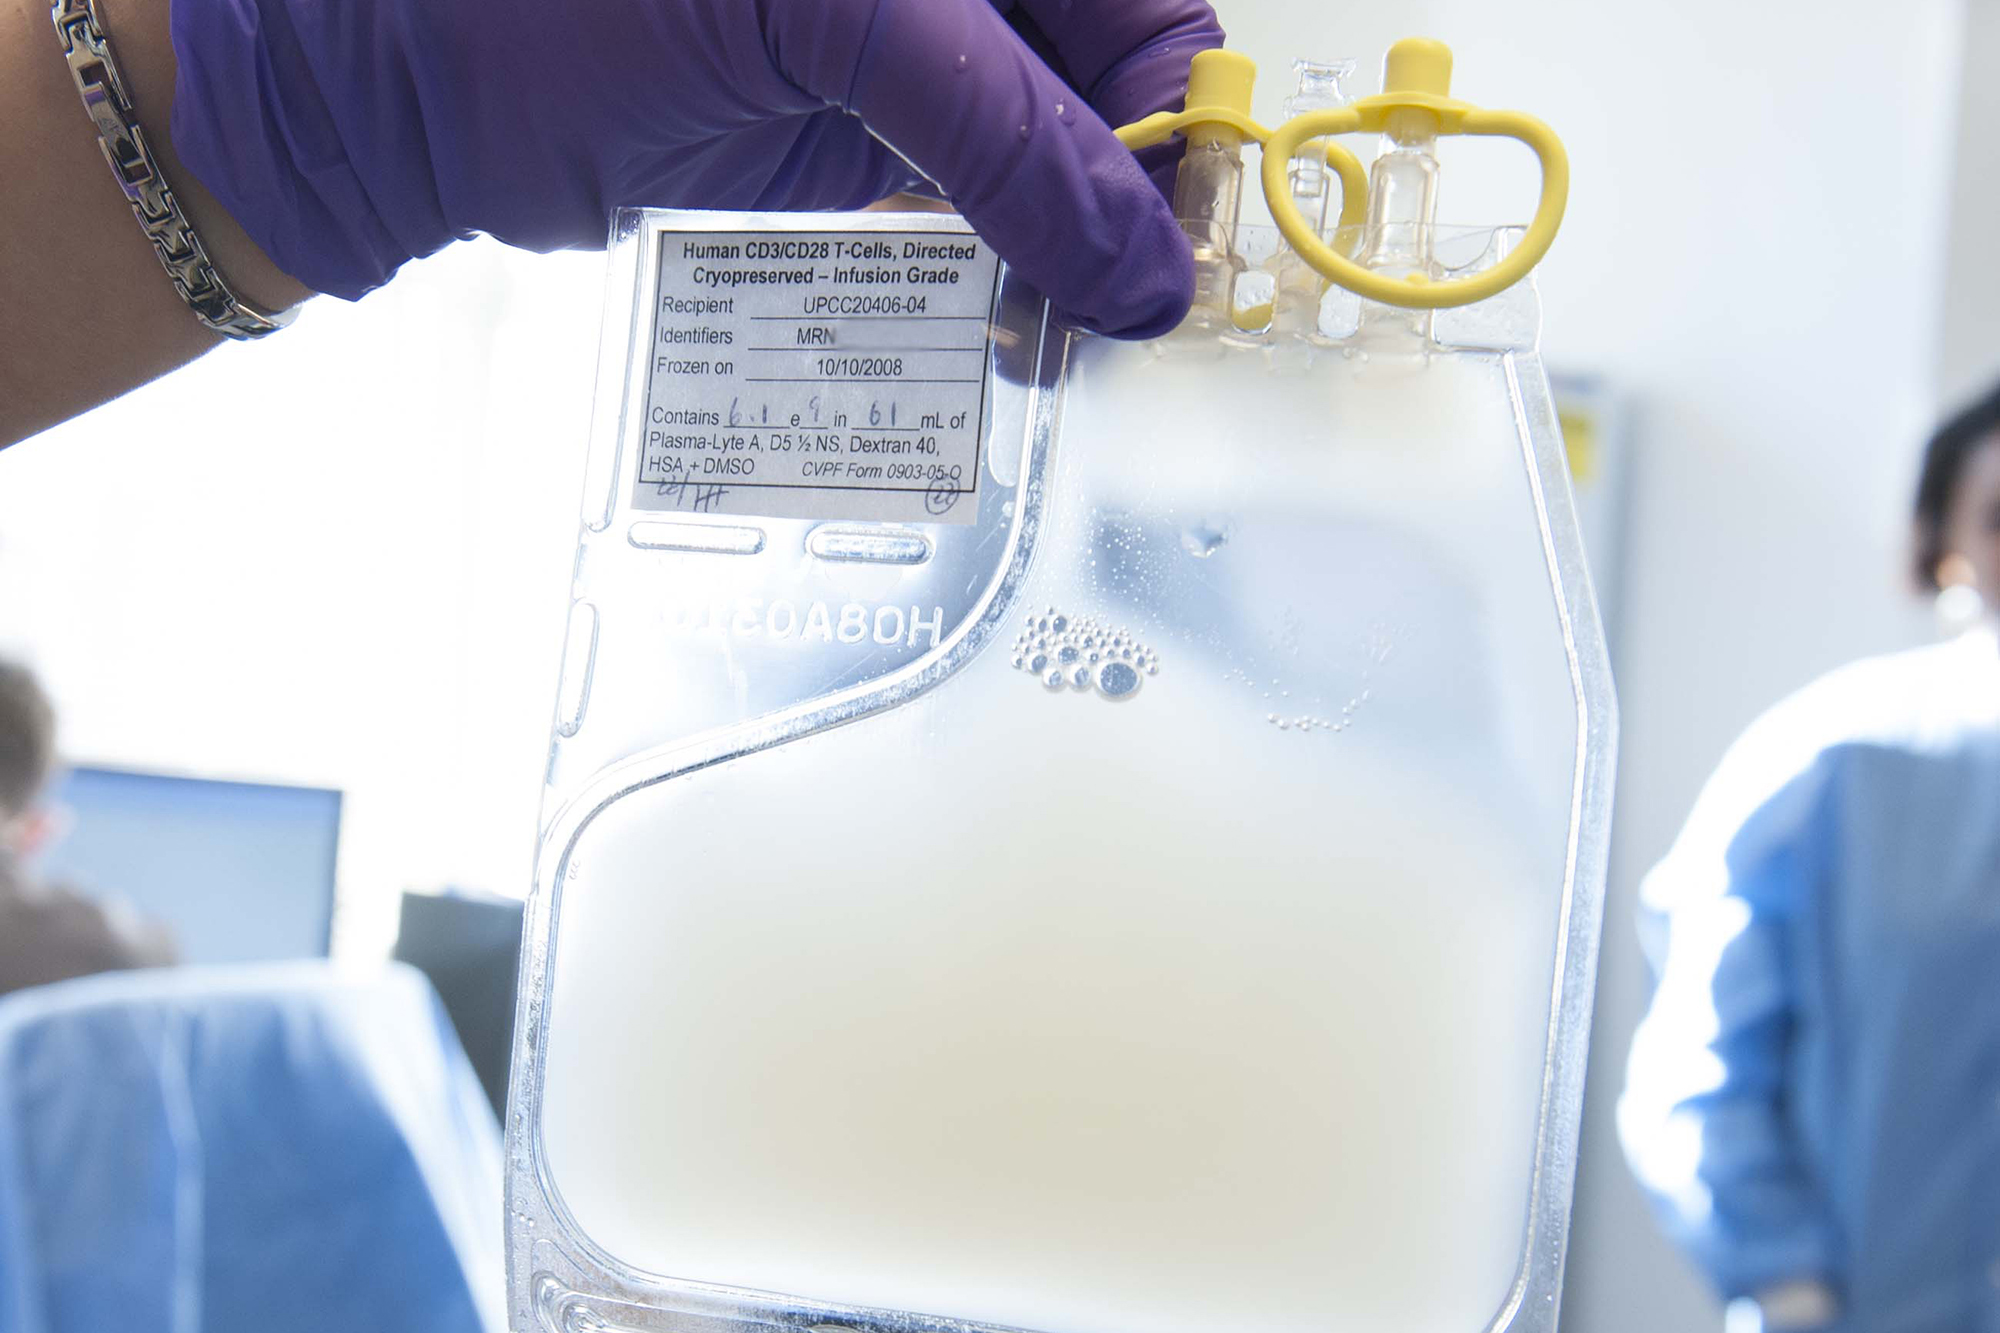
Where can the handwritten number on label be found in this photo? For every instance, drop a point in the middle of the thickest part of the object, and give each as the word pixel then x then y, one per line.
pixel 690 495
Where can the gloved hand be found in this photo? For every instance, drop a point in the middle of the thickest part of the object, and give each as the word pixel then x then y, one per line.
pixel 347 136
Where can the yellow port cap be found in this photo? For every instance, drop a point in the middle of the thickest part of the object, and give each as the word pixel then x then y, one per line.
pixel 1416 65
pixel 1223 79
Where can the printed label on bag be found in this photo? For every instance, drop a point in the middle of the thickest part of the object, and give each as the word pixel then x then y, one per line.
pixel 823 375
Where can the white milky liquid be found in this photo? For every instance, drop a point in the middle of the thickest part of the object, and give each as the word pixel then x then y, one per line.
pixel 1080 1015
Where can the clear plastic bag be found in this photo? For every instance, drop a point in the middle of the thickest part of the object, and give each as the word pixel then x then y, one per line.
pixel 1160 895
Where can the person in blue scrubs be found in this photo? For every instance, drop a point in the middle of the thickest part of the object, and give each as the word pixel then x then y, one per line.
pixel 1813 1099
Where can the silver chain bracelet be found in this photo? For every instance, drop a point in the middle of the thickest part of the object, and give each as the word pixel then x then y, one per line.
pixel 102 88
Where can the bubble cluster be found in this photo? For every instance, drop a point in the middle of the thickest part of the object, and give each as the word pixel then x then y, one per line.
pixel 1080 653
pixel 1307 723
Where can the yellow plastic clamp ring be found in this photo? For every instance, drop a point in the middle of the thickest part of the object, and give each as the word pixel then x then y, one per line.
pixel 1416 290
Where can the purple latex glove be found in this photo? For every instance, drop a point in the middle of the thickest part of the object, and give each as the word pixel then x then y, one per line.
pixel 348 136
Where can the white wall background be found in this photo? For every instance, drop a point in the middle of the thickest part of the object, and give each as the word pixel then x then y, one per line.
pixel 341 557
pixel 1969 354
pixel 338 557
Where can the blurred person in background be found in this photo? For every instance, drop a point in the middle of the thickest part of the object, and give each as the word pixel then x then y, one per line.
pixel 1813 1098
pixel 49 933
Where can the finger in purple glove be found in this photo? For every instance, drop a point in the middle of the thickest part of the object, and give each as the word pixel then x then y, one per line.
pixel 1019 151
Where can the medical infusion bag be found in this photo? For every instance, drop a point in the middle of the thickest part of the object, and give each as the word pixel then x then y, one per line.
pixel 1058 834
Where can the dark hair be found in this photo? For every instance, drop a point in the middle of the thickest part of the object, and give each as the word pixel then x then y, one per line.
pixel 1945 456
pixel 27 739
